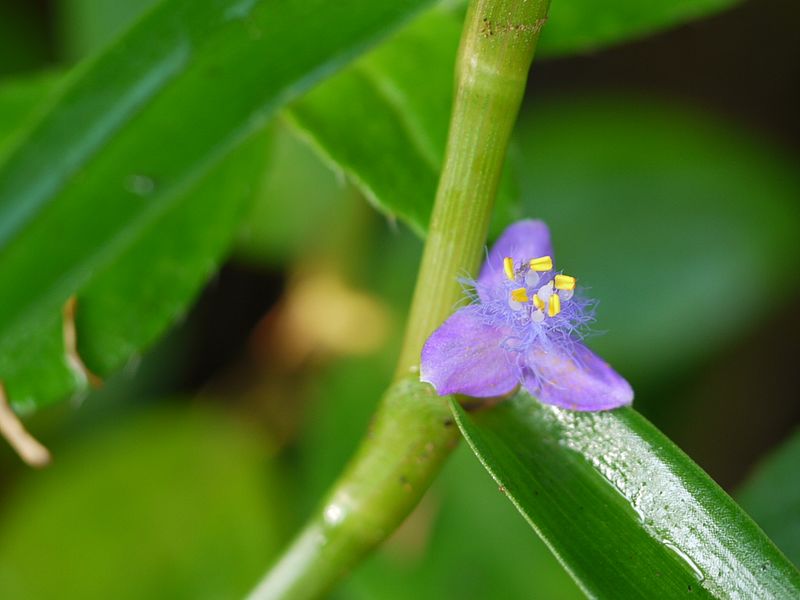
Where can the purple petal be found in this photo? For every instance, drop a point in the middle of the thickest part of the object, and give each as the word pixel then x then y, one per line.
pixel 578 379
pixel 464 356
pixel 522 241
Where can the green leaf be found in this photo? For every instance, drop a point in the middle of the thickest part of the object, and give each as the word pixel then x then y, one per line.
pixel 578 25
pixel 383 121
pixel 625 511
pixel 772 497
pixel 86 25
pixel 141 286
pixel 19 100
pixel 129 167
pixel 299 201
pixel 674 220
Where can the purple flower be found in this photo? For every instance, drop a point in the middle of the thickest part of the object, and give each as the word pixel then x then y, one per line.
pixel 524 328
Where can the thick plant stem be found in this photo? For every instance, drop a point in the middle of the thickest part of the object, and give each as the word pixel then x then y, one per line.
pixel 409 437
pixel 412 432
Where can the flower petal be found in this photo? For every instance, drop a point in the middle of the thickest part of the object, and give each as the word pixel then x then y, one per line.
pixel 522 241
pixel 464 356
pixel 578 379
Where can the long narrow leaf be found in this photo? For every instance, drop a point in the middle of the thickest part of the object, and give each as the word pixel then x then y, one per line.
pixel 625 511
pixel 99 179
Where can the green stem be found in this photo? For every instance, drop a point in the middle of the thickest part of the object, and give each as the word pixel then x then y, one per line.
pixel 412 432
pixel 497 47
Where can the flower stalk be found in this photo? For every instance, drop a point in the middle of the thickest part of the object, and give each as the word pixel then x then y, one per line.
pixel 412 432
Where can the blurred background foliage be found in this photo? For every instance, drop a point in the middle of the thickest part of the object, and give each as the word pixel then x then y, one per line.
pixel 666 167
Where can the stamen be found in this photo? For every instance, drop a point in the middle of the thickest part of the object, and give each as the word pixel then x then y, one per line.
pixel 508 267
pixel 531 278
pixel 515 306
pixel 544 263
pixel 519 295
pixel 564 282
pixel 545 291
pixel 537 316
pixel 554 306
pixel 538 302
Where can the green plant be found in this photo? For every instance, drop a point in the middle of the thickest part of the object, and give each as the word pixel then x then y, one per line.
pixel 141 169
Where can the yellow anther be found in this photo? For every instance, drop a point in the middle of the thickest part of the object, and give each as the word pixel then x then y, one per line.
pixel 544 263
pixel 537 302
pixel 564 282
pixel 554 306
pixel 508 267
pixel 519 295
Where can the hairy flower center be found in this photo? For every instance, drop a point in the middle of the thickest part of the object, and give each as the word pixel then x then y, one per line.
pixel 544 300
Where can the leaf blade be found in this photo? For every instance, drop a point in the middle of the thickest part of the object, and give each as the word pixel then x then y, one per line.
pixel 134 131
pixel 627 513
pixel 394 156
